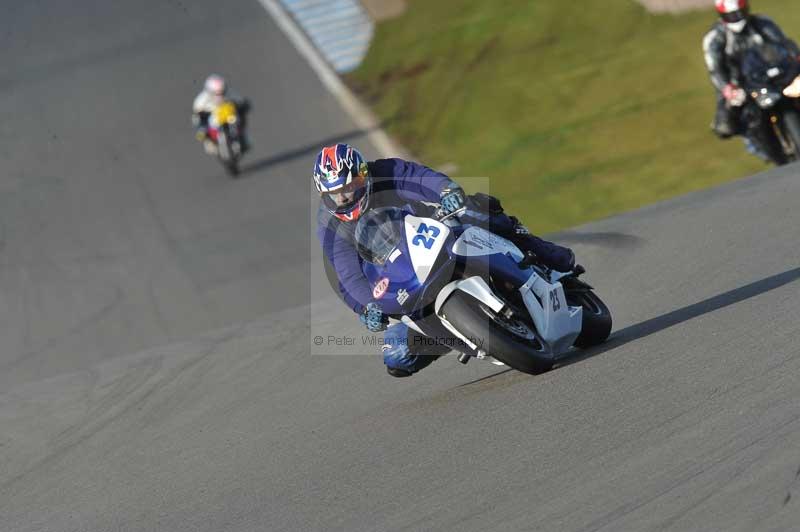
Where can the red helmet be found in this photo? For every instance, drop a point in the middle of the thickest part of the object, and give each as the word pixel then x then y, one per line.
pixel 734 13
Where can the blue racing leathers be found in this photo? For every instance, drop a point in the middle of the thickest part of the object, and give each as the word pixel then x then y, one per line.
pixel 396 182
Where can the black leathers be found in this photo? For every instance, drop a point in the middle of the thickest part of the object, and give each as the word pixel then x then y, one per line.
pixel 724 52
pixel 724 49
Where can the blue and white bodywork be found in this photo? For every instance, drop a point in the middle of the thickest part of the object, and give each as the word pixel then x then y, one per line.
pixel 429 258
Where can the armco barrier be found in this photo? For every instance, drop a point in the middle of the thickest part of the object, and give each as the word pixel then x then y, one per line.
pixel 340 29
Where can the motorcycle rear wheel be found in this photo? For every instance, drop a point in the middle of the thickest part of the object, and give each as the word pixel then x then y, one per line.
pixel 511 341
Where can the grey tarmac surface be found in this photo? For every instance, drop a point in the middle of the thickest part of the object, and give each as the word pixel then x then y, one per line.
pixel 688 419
pixel 117 233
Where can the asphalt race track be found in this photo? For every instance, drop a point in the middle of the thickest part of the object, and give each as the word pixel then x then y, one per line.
pixel 118 233
pixel 155 367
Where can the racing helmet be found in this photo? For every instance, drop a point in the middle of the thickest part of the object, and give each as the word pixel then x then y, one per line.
pixel 343 182
pixel 215 84
pixel 734 13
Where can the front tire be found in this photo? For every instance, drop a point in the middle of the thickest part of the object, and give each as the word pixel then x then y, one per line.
pixel 232 167
pixel 596 324
pixel 791 126
pixel 512 342
pixel 227 155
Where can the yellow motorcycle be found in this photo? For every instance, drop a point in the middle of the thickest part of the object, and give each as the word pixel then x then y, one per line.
pixel 224 131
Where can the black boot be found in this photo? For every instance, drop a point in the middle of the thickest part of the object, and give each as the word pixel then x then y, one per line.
pixel 422 362
pixel 555 257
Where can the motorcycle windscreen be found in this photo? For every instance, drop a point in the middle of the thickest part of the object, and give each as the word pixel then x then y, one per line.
pixel 378 234
pixel 768 65
pixel 404 259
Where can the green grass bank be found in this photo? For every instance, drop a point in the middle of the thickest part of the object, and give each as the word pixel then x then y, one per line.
pixel 573 110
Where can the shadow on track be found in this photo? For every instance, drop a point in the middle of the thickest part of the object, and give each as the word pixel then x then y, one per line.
pixel 676 317
pixel 309 150
pixel 681 315
pixel 613 240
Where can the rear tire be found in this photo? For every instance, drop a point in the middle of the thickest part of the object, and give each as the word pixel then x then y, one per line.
pixel 791 126
pixel 510 341
pixel 596 325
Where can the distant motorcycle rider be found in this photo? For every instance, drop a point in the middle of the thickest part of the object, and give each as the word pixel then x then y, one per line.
pixel 215 92
pixel 724 47
pixel 348 186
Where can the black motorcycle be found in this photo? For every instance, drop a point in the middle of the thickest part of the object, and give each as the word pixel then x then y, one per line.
pixel 771 78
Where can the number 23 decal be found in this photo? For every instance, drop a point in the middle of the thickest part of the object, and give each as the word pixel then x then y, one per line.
pixel 426 236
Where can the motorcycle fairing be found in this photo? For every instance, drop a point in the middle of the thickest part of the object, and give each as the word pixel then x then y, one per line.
pixel 558 323
pixel 425 238
pixel 428 245
pixel 225 113
pixel 476 242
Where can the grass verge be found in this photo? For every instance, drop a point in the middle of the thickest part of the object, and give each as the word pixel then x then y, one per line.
pixel 573 110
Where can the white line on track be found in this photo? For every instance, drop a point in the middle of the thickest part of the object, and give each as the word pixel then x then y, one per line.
pixel 363 117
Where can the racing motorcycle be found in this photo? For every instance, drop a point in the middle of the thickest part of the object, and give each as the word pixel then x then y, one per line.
pixel 225 134
pixel 467 287
pixel 771 78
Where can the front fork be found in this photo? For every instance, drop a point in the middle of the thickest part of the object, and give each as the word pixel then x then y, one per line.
pixel 788 147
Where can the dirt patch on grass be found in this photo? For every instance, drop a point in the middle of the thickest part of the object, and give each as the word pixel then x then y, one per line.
pixel 371 92
pixel 675 6
pixel 390 76
pixel 381 10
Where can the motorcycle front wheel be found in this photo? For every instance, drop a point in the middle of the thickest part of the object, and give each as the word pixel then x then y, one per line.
pixel 232 167
pixel 511 341
pixel 226 155
pixel 791 126
pixel 596 324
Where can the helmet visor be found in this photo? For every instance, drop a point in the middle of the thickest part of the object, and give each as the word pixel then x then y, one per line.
pixel 343 199
pixel 734 16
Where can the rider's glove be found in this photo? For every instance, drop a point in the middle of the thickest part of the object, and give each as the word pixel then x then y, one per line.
pixel 374 318
pixel 734 95
pixel 452 199
pixel 200 134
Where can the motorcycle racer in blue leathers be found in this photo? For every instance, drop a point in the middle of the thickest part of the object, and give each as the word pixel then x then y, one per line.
pixel 349 185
